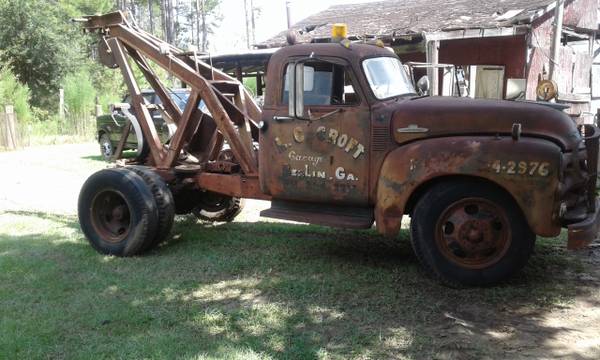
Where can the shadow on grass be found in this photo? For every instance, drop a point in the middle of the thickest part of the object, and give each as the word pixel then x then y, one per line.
pixel 244 290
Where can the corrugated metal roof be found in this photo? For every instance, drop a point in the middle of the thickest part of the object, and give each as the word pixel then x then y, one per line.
pixel 397 17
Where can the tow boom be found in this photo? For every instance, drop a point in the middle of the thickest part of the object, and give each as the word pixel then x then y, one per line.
pixel 233 113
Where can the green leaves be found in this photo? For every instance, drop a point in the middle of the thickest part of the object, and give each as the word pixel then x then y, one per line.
pixel 41 45
pixel 12 92
pixel 79 92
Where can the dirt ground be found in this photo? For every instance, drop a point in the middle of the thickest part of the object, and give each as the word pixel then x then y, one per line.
pixel 49 178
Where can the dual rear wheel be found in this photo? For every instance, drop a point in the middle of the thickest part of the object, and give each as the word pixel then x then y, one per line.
pixel 128 211
pixel 125 211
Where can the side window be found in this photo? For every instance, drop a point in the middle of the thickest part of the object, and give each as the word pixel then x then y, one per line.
pixel 324 84
pixel 149 98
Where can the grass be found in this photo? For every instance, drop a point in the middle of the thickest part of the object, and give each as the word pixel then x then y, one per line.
pixel 247 291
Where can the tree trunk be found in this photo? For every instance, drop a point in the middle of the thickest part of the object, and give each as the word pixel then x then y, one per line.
pixel 171 23
pixel 252 22
pixel 151 16
pixel 176 21
pixel 196 20
pixel 247 24
pixel 163 22
pixel 204 27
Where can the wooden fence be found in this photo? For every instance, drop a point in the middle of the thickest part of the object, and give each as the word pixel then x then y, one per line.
pixel 12 133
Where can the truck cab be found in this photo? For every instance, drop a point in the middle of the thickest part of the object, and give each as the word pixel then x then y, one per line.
pixel 346 141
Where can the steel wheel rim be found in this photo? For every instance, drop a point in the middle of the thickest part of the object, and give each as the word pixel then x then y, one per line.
pixel 473 233
pixel 106 148
pixel 111 217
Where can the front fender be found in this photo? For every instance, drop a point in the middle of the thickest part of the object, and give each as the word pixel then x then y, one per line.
pixel 527 168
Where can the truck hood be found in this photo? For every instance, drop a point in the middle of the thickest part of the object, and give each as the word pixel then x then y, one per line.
pixel 451 116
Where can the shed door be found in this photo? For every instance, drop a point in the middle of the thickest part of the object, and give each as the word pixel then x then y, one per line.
pixel 489 81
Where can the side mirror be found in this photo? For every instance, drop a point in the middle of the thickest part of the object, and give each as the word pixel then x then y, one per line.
pixel 295 80
pixel 423 85
pixel 119 107
pixel 300 78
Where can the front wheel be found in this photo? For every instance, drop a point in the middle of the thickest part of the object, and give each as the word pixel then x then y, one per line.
pixel 470 234
pixel 106 147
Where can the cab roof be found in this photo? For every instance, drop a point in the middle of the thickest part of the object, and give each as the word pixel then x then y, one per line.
pixel 355 50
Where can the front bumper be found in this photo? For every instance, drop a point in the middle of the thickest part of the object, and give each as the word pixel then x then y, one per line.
pixel 581 234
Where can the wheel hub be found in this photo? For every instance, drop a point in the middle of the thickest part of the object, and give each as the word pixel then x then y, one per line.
pixel 107 149
pixel 473 233
pixel 110 216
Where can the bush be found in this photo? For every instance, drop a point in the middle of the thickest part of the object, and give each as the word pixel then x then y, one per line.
pixel 80 100
pixel 80 94
pixel 13 92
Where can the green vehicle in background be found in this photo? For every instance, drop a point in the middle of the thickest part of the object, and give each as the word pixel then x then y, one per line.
pixel 110 126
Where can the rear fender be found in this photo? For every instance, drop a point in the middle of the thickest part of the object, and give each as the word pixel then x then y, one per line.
pixel 527 169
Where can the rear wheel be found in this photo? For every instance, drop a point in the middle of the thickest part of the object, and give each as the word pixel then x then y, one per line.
pixel 470 234
pixel 164 203
pixel 106 147
pixel 117 212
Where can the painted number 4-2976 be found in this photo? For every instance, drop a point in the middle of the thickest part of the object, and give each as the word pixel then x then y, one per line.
pixel 531 168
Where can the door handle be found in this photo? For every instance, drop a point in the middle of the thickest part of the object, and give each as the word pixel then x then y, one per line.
pixel 282 118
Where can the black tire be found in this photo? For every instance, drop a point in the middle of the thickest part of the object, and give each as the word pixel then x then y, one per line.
pixel 164 203
pixel 107 149
pixel 218 208
pixel 117 212
pixel 454 223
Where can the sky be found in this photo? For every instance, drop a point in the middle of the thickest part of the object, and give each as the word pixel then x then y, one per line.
pixel 231 34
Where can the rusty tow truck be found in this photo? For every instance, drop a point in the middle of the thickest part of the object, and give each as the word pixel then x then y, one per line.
pixel 343 140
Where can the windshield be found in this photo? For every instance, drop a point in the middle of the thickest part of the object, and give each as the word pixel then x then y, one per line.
pixel 387 77
pixel 180 98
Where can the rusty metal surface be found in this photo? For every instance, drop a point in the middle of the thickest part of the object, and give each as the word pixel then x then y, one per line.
pixel 527 169
pixel 329 215
pixel 322 159
pixel 235 185
pixel 231 119
pixel 443 116
pixel 325 159
pixel 581 234
pixel 138 102
pixel 473 233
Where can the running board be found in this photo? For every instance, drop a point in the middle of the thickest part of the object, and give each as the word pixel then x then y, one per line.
pixel 321 214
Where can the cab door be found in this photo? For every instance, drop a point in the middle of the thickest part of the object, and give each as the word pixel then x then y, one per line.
pixel 320 156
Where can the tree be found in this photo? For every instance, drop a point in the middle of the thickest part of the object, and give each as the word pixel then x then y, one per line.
pixel 39 45
pixel 207 20
pixel 251 12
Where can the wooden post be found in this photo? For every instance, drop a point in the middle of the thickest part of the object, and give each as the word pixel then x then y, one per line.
pixel 556 36
pixel 259 84
pixel 61 103
pixel 98 111
pixel 432 54
pixel 10 133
